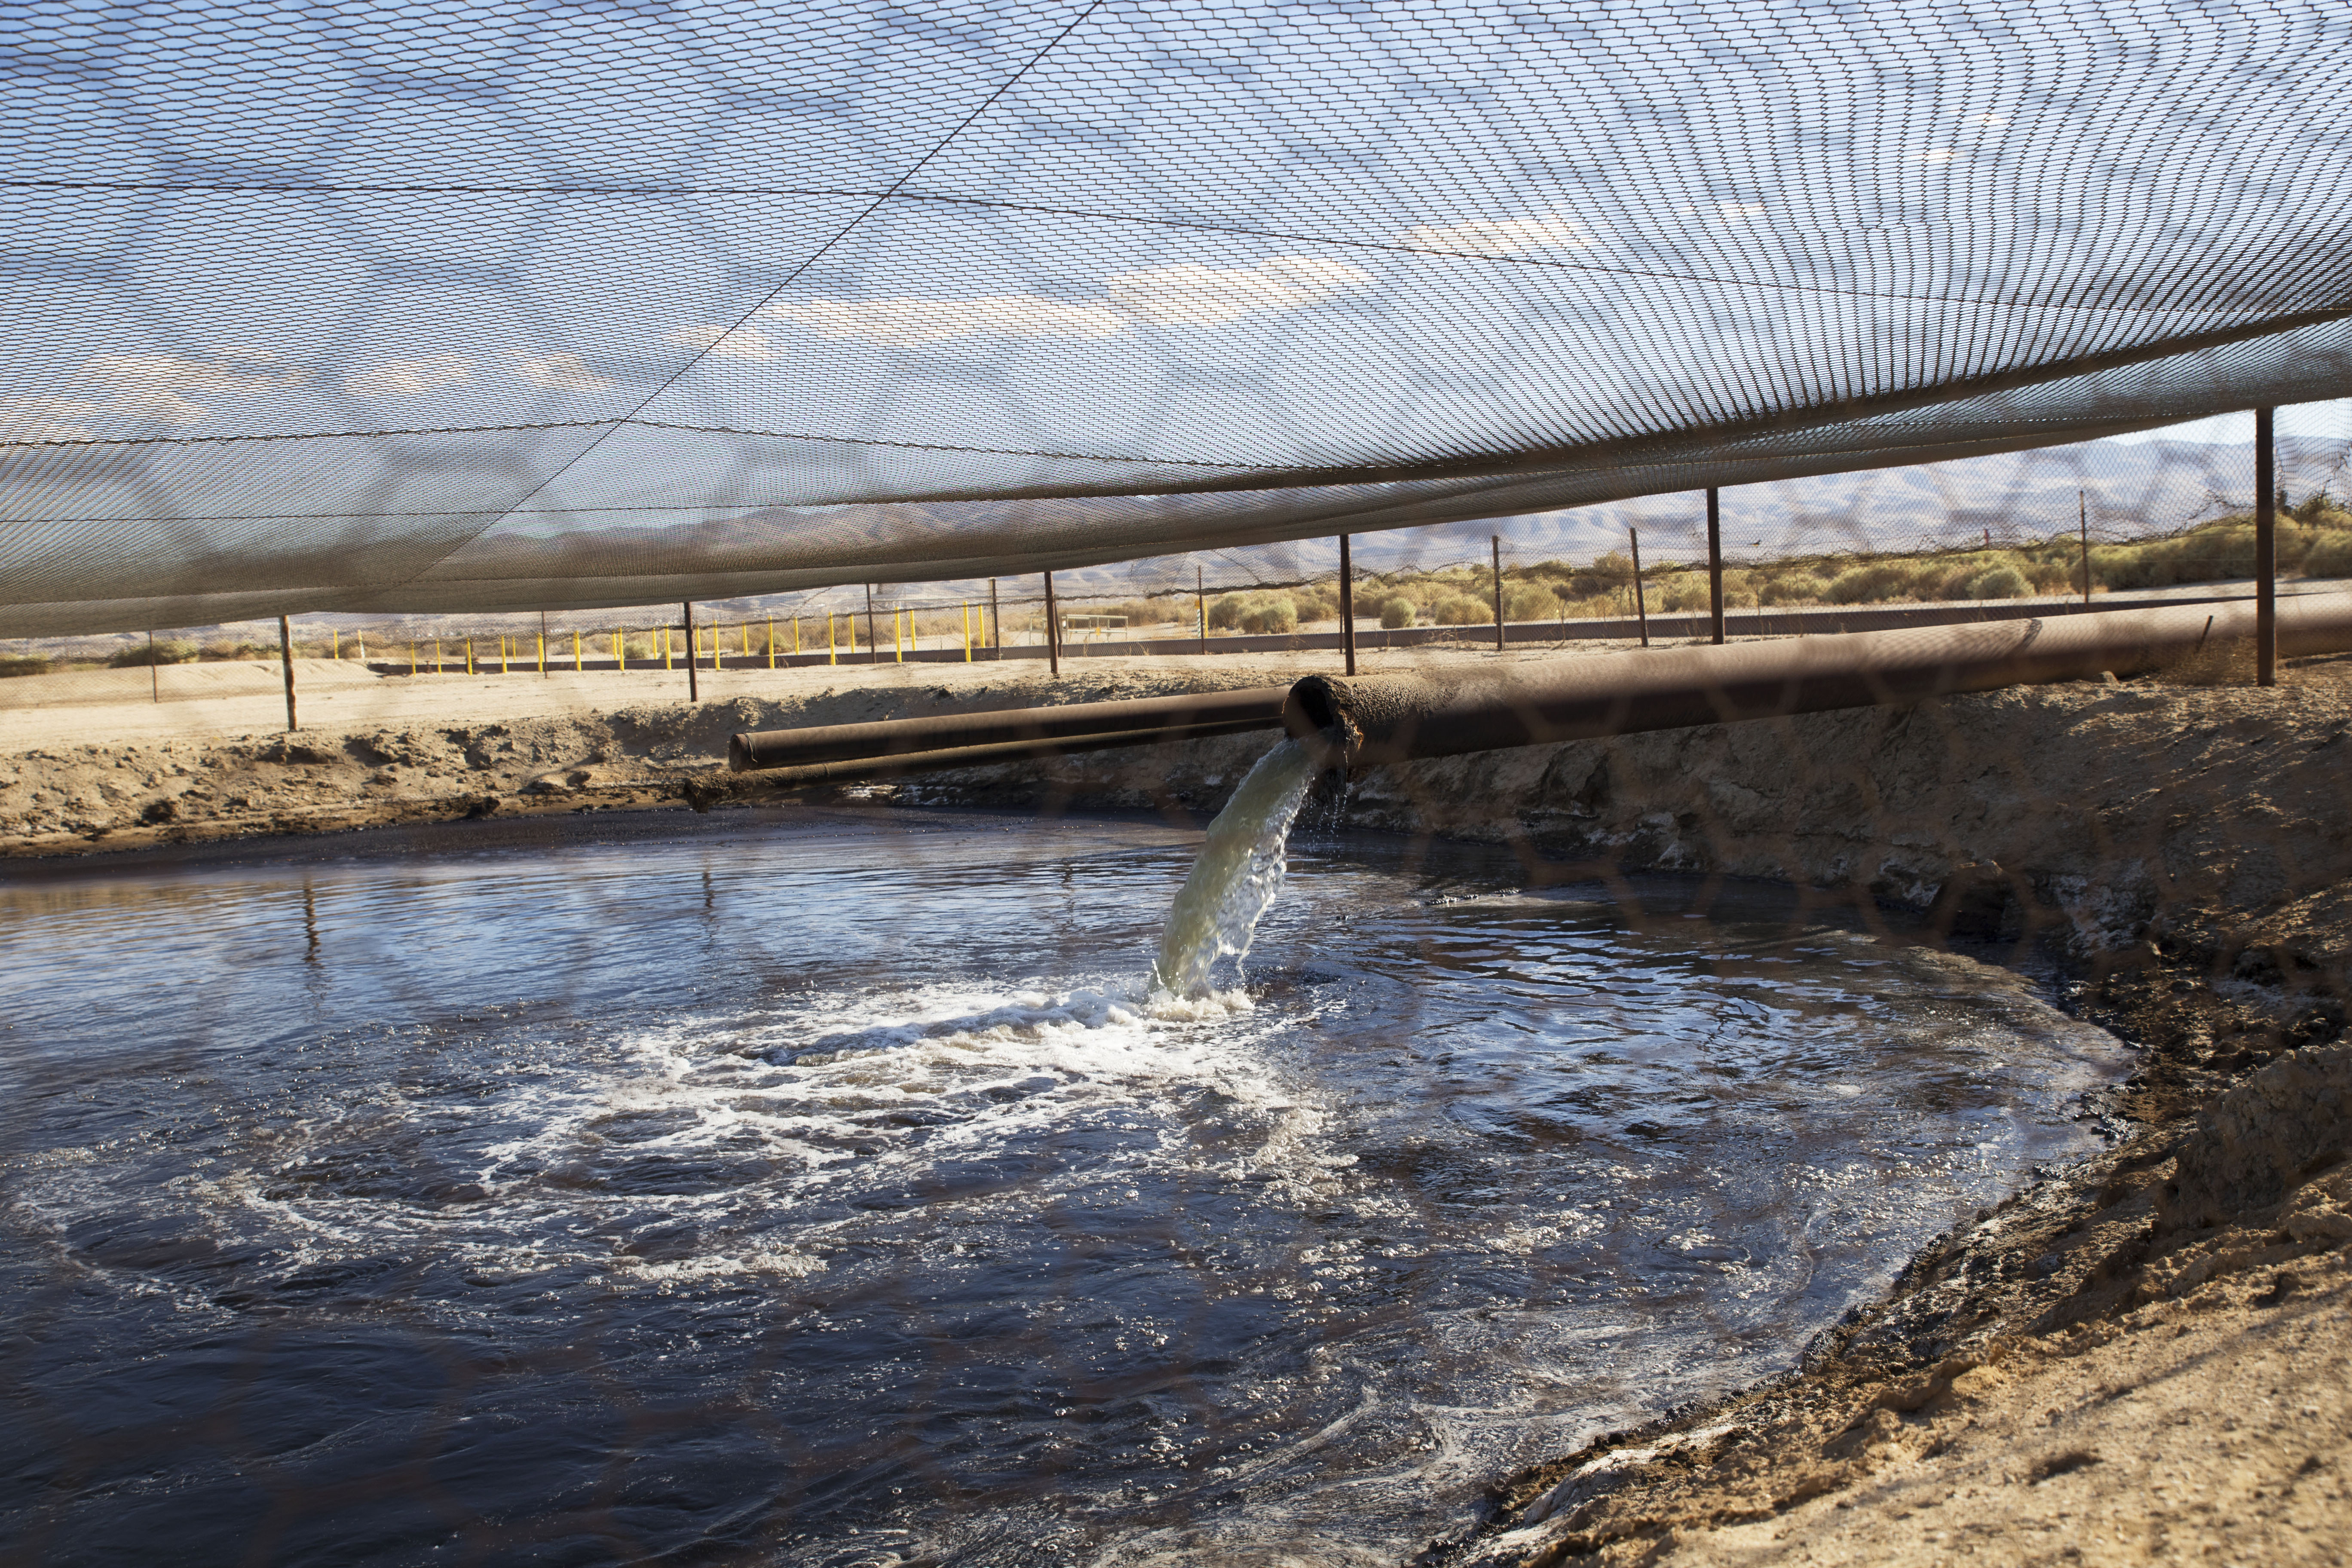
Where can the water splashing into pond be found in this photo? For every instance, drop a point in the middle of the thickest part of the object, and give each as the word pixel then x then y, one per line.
pixel 1239 872
pixel 832 1187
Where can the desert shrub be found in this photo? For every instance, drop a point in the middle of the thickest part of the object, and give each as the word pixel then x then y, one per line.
pixel 1396 612
pixel 1797 589
pixel 13 664
pixel 1683 591
pixel 1258 611
pixel 2330 556
pixel 1530 601
pixel 1872 582
pixel 143 655
pixel 1999 583
pixel 1316 604
pixel 1461 610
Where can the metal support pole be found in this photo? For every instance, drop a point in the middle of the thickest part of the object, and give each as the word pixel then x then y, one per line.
pixel 286 659
pixel 542 642
pixel 1714 559
pixel 2082 521
pixel 1053 632
pixel 1201 605
pixel 873 644
pixel 693 694
pixel 1498 592
pixel 2266 551
pixel 995 621
pixel 1640 606
pixel 1347 607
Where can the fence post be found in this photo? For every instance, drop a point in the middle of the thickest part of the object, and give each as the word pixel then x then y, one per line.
pixel 2265 549
pixel 1640 607
pixel 286 659
pixel 1201 605
pixel 2083 518
pixel 1053 633
pixel 1715 560
pixel 692 695
pixel 1499 593
pixel 995 620
pixel 1347 607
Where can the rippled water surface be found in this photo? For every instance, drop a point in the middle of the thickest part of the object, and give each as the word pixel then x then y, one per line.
pixel 816 1188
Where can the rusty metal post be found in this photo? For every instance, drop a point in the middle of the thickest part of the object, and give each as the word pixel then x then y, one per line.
pixel 1053 632
pixel 2082 521
pixel 1715 560
pixel 2265 549
pixel 693 693
pixel 873 643
pixel 1640 606
pixel 1347 607
pixel 285 660
pixel 1499 593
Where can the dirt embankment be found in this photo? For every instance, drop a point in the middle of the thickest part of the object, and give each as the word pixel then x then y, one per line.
pixel 2142 1358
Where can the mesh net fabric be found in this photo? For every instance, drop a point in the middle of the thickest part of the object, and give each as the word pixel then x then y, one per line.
pixel 496 308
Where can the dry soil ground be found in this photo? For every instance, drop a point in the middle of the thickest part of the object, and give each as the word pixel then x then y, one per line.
pixel 2143 1358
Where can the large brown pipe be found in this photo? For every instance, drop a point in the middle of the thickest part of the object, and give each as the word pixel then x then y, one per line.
pixel 1378 718
pixel 1047 729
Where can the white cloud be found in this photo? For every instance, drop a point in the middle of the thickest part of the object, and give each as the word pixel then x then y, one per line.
pixel 48 419
pixel 409 377
pixel 904 320
pixel 566 372
pixel 1190 294
pixel 152 386
pixel 742 343
pixel 144 386
pixel 1500 236
pixel 1738 212
pixel 1938 155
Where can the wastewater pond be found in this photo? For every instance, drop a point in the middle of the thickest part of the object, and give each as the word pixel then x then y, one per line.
pixel 822 1187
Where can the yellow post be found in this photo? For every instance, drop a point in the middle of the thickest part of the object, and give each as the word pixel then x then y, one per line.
pixel 771 642
pixel 438 667
pixel 664 648
pixel 796 634
pixel 967 633
pixel 412 657
pixel 335 641
pixel 747 636
pixel 621 650
pixel 830 656
pixel 579 662
pixel 542 653
pixel 505 665
pixel 469 655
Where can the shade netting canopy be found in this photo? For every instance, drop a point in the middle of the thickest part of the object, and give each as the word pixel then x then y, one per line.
pixel 485 306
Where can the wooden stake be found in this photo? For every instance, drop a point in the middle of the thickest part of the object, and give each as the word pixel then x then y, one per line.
pixel 1499 593
pixel 1640 606
pixel 2265 549
pixel 1715 560
pixel 1347 607
pixel 286 659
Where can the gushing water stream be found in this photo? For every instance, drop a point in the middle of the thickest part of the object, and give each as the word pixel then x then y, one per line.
pixel 1239 873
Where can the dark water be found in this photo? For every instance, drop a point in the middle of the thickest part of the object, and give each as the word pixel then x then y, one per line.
pixel 812 1189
